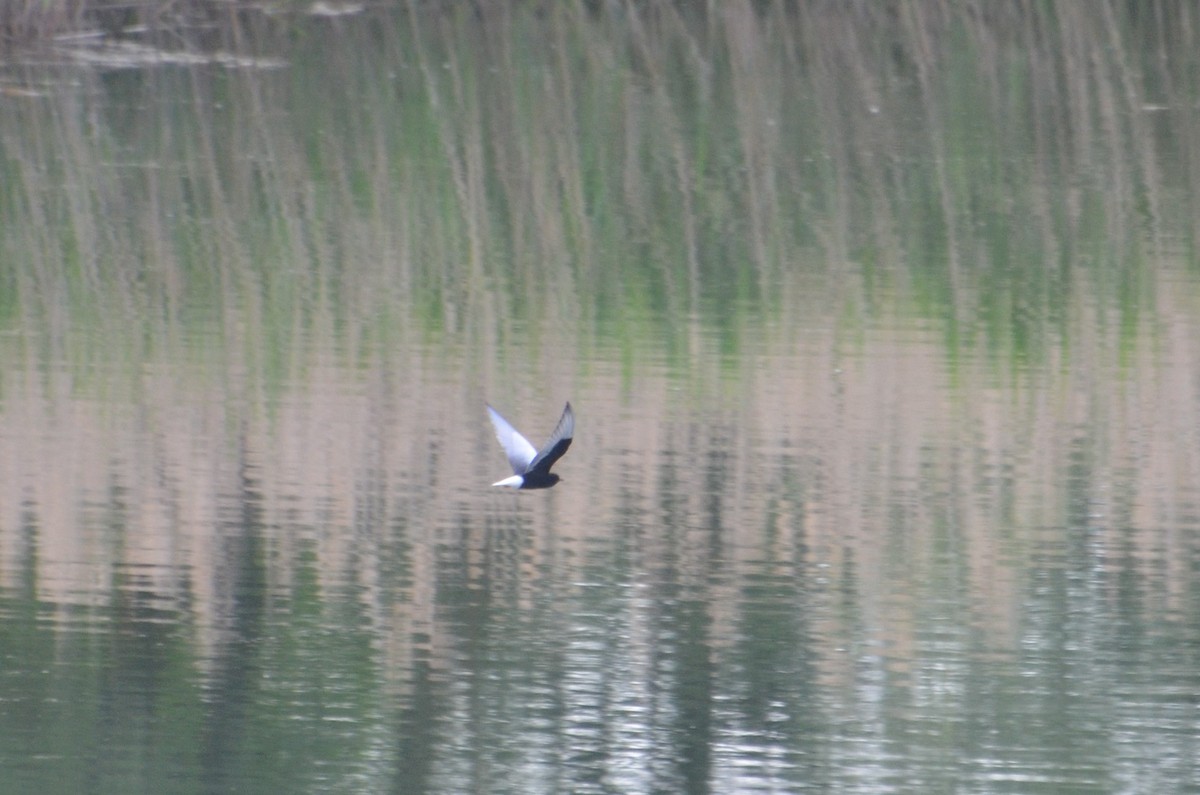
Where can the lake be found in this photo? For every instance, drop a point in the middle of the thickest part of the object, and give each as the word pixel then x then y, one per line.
pixel 881 325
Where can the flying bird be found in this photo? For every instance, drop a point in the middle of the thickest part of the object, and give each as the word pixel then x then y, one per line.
pixel 531 467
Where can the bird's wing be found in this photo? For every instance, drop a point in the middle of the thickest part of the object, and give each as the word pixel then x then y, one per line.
pixel 557 444
pixel 518 449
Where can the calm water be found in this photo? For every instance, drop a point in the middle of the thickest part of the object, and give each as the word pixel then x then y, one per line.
pixel 882 328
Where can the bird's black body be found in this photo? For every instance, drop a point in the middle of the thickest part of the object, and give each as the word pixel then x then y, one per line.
pixel 539 480
pixel 540 476
pixel 531 468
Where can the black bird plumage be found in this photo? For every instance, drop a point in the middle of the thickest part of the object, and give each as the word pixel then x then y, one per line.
pixel 531 467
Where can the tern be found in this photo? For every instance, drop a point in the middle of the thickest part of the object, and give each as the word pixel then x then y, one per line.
pixel 531 467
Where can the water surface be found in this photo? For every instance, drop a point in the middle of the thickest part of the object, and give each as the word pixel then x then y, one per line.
pixel 882 327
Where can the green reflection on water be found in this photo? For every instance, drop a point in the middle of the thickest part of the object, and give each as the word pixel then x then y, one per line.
pixel 656 172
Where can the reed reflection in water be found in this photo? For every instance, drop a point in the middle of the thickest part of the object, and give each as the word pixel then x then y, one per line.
pixel 885 470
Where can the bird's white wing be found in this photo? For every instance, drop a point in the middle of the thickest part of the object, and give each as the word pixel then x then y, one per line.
pixel 518 449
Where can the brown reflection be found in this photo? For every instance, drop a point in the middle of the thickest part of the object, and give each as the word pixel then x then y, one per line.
pixel 881 453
